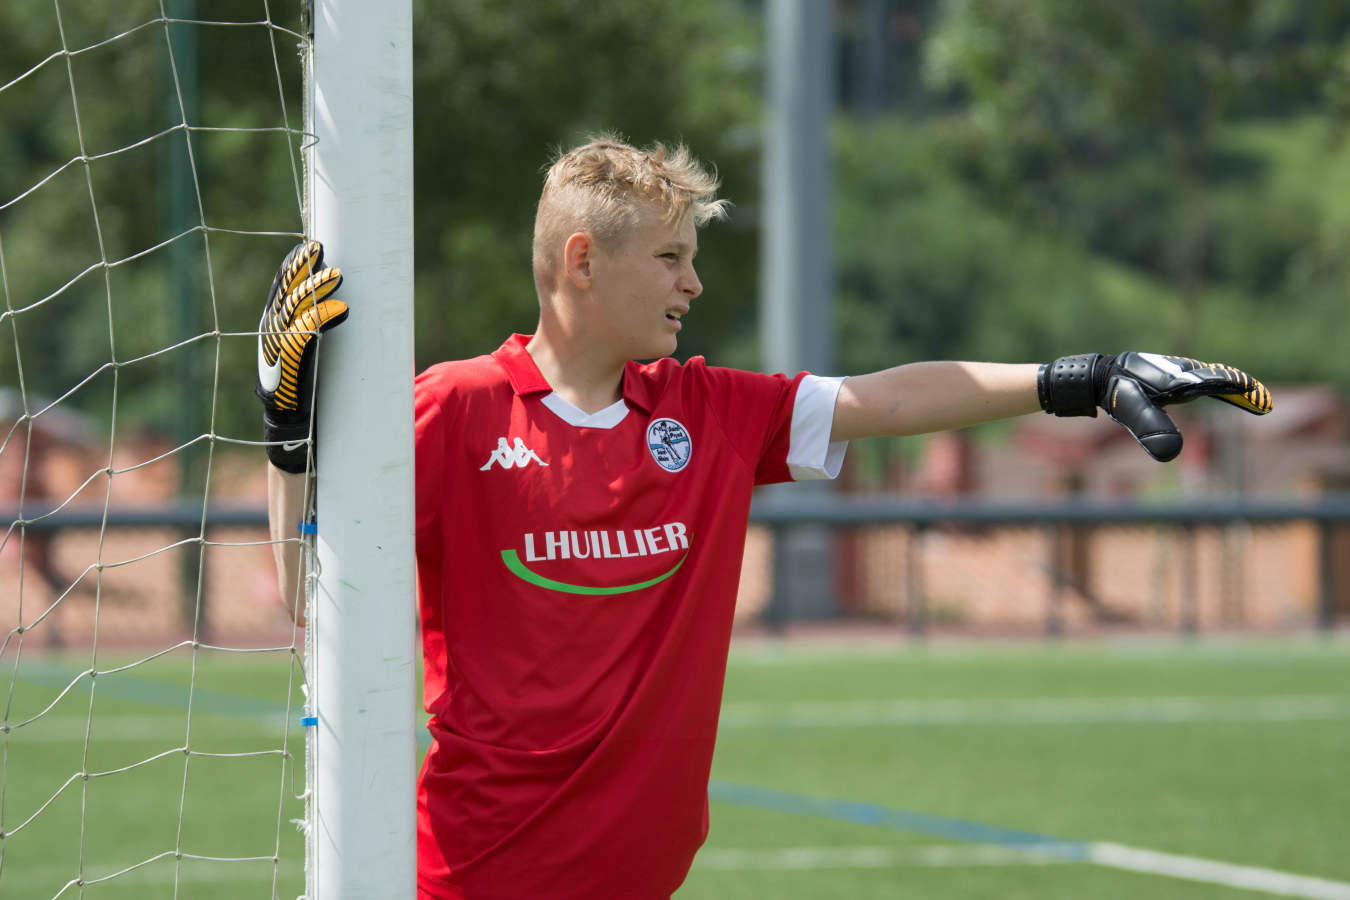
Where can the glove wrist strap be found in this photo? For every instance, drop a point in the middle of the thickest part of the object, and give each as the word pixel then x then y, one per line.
pixel 1066 386
pixel 288 443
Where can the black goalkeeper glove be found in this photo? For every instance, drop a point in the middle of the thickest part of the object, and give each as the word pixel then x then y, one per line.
pixel 298 308
pixel 1133 388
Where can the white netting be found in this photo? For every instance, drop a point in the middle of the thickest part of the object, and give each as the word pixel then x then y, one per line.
pixel 150 181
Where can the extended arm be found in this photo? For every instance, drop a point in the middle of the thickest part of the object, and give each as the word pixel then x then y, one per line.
pixel 932 396
pixel 1132 388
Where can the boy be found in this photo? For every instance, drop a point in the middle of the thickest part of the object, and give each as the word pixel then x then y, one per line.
pixel 581 519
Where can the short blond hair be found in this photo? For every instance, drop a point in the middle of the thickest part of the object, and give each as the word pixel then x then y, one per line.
pixel 602 186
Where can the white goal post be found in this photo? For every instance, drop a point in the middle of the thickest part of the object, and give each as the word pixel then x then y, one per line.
pixel 363 655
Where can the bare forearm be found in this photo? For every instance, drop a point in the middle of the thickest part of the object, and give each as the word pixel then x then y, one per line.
pixel 285 506
pixel 932 396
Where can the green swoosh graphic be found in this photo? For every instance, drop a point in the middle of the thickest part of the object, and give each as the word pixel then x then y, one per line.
pixel 518 568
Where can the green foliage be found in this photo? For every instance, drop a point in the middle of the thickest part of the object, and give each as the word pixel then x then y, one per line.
pixel 1187 143
pixel 123 279
pixel 500 86
pixel 1051 176
pixel 926 270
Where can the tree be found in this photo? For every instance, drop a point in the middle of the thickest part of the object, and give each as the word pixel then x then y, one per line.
pixel 1097 175
pixel 1123 124
pixel 497 86
pixel 500 86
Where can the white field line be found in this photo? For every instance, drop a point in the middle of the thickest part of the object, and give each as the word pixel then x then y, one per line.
pixel 1037 711
pixel 1209 871
pixel 1115 856
pixel 938 855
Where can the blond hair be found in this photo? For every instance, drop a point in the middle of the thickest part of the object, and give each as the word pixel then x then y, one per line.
pixel 602 187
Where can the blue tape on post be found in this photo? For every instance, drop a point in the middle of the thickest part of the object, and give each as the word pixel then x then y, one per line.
pixel 309 721
pixel 309 527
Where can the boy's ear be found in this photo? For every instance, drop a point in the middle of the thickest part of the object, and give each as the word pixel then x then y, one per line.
pixel 577 258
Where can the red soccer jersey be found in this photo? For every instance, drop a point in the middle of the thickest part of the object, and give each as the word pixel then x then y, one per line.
pixel 577 579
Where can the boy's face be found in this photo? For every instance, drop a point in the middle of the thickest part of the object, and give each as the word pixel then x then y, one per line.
pixel 645 285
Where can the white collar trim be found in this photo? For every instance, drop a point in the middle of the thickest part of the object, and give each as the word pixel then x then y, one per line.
pixel 606 418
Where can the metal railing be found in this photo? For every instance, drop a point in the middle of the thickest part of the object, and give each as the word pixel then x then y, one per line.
pixel 1060 520
pixel 906 525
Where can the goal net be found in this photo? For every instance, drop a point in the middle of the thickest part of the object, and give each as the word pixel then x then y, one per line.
pixel 157 697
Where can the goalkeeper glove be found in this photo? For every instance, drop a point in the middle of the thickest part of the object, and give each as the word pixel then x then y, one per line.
pixel 1133 388
pixel 298 308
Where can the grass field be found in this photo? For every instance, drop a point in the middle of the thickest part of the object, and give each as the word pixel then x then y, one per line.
pixel 234 795
pixel 1164 769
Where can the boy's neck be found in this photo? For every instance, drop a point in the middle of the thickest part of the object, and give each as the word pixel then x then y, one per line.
pixel 580 376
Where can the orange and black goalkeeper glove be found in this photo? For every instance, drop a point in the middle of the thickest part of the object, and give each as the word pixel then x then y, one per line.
pixel 299 307
pixel 1133 388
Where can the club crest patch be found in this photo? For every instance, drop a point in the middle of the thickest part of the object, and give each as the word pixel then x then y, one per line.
pixel 669 444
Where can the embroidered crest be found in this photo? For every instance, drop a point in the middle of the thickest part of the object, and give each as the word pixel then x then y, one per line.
pixel 669 444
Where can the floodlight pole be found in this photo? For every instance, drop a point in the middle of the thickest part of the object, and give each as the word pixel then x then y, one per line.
pixel 796 298
pixel 796 320
pixel 362 831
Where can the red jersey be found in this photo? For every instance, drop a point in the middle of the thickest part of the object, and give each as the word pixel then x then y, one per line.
pixel 577 578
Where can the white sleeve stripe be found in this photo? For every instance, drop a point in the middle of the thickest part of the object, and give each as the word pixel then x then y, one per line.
pixel 811 455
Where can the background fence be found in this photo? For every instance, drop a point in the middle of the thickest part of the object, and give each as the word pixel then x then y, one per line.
pixel 974 567
pixel 1062 566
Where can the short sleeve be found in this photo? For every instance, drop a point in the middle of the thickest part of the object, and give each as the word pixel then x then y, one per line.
pixel 812 456
pixel 779 425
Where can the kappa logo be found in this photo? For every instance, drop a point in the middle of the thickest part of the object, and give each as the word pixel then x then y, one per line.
pixel 516 456
pixel 670 444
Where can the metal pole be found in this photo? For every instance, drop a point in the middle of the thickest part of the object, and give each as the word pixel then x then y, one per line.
pixel 869 87
pixel 1326 558
pixel 1054 549
pixel 775 615
pixel 364 665
pixel 796 319
pixel 1190 586
pixel 916 607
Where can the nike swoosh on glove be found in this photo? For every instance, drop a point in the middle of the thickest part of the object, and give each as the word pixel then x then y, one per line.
pixel 299 307
pixel 1134 387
